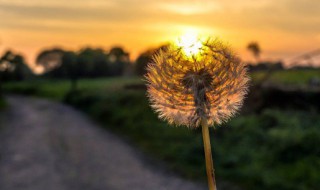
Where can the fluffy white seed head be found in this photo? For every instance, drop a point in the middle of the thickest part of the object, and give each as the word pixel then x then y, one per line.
pixel 210 85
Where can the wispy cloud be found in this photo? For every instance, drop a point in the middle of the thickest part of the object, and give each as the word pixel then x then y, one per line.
pixel 292 25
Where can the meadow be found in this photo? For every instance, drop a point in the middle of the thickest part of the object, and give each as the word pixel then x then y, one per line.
pixel 289 77
pixel 272 149
pixel 2 103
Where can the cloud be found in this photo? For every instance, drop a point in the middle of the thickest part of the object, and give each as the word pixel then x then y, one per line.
pixel 53 16
pixel 71 3
pixel 188 7
pixel 290 15
pixel 70 13
pixel 289 23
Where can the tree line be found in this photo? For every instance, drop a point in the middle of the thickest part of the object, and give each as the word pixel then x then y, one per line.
pixel 85 63
pixel 94 62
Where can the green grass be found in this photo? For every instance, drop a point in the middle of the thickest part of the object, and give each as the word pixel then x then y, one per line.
pixel 272 150
pixel 57 89
pixel 291 77
pixel 2 103
pixel 275 149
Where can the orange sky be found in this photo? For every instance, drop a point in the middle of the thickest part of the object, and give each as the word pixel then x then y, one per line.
pixel 283 28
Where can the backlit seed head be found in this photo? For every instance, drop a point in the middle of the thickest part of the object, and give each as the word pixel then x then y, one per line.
pixel 209 84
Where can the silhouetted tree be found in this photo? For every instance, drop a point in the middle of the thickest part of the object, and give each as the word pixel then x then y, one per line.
pixel 254 48
pixel 21 71
pixel 144 58
pixel 142 61
pixel 119 59
pixel 50 59
pixel 66 65
pixel 69 63
pixel 101 65
pixel 93 62
pixel 88 62
pixel 13 67
pixel 5 66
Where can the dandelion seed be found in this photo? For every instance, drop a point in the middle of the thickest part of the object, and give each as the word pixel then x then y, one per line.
pixel 203 83
pixel 209 84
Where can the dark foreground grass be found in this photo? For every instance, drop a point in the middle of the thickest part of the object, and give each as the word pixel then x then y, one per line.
pixel 2 103
pixel 275 149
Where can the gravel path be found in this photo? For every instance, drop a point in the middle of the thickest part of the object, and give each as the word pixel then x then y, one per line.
pixel 46 145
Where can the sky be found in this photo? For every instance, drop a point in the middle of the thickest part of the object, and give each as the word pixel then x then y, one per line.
pixel 283 28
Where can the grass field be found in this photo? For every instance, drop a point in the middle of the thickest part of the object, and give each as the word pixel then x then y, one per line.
pixel 291 77
pixel 275 149
pixel 57 89
pixel 2 103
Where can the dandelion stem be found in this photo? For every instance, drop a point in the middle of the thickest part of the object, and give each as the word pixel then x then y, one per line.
pixel 208 155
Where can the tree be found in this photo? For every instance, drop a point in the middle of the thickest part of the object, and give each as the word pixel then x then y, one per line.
pixel 88 62
pixel 69 63
pixel 21 71
pixel 13 67
pixel 145 58
pixel 61 64
pixel 254 48
pixel 6 63
pixel 5 67
pixel 50 59
pixel 119 59
pixel 93 62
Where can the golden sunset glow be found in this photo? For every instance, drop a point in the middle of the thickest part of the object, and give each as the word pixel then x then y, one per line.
pixel 183 90
pixel 29 26
pixel 190 44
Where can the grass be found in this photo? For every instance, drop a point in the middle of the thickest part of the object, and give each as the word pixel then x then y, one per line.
pixel 289 77
pixel 272 150
pixel 57 89
pixel 276 149
pixel 2 103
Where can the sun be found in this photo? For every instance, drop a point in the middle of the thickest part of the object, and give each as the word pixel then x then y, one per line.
pixel 190 44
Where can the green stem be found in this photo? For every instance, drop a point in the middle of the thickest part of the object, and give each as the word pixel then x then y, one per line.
pixel 208 155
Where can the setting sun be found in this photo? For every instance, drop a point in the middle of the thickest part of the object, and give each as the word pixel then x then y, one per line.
pixel 31 26
pixel 190 43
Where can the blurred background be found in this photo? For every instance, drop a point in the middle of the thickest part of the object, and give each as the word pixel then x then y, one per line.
pixel 92 55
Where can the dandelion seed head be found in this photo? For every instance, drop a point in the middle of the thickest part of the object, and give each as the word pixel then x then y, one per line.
pixel 185 88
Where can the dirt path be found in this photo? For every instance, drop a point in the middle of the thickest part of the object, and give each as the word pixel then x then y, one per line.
pixel 49 146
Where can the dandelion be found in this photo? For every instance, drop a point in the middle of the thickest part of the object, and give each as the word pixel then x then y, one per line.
pixel 198 85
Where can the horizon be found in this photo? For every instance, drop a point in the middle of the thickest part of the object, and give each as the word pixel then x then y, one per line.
pixel 284 30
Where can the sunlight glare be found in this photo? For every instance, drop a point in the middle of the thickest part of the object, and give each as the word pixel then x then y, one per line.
pixel 190 43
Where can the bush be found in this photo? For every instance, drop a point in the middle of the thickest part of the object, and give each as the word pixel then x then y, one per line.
pixel 273 150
